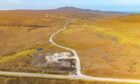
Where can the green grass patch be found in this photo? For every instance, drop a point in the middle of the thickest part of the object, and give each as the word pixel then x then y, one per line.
pixel 17 55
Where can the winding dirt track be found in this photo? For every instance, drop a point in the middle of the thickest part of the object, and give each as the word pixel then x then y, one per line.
pixel 78 66
pixel 78 74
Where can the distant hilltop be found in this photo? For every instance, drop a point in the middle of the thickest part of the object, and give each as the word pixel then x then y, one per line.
pixel 72 12
pixel 70 9
pixel 86 10
pixel 84 13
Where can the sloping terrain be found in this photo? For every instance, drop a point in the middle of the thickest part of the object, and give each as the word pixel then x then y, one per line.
pixel 107 48
pixel 22 32
pixel 73 12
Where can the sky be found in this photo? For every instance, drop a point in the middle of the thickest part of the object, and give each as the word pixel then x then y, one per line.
pixel 105 5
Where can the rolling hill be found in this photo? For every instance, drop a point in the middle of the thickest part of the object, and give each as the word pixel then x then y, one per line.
pixel 107 42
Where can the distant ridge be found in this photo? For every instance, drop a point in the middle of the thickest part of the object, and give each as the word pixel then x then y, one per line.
pixel 72 12
pixel 86 10
pixel 70 9
pixel 85 13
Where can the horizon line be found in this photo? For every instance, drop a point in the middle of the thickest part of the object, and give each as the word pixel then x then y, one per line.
pixel 41 9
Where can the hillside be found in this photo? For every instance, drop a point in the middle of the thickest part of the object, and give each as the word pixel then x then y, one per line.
pixel 85 13
pixel 107 47
pixel 23 32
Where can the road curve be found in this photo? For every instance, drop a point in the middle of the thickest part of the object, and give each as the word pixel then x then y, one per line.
pixel 79 76
pixel 78 66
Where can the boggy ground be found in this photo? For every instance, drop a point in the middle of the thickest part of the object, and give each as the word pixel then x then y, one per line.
pixel 21 34
pixel 107 48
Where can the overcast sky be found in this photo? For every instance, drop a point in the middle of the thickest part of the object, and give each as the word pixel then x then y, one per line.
pixel 107 5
